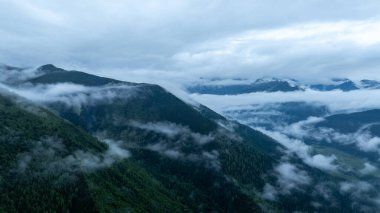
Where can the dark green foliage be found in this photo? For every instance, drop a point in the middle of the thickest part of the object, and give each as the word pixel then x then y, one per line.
pixel 148 103
pixel 19 127
pixel 200 188
pixel 165 173
pixel 154 104
pixel 43 183
pixel 261 141
pixel 36 190
pixel 244 163
pixel 126 187
pixel 49 68
pixel 34 193
pixel 257 139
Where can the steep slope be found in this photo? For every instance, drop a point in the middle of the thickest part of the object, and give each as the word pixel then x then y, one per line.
pixel 48 165
pixel 187 159
pixel 208 162
pixel 58 75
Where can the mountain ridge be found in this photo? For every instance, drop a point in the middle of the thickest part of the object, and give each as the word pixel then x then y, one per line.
pixel 192 158
pixel 242 86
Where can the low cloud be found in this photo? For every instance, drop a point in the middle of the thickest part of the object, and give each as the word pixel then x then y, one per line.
pixel 322 162
pixel 304 151
pixel 181 143
pixel 362 138
pixel 48 156
pixel 165 150
pixel 289 177
pixel 294 135
pixel 269 192
pixel 336 101
pixel 368 143
pixel 316 40
pixel 73 95
pixel 209 158
pixel 364 195
pixel 12 75
pixel 368 169
pixel 172 130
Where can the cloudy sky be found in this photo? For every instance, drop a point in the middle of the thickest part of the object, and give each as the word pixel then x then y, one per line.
pixel 182 39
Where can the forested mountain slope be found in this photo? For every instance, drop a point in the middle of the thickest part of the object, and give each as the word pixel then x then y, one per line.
pixel 122 146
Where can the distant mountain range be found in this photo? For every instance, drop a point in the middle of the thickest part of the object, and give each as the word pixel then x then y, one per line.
pixel 241 86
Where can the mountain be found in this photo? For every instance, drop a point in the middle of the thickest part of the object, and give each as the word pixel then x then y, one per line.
pixel 260 85
pixel 193 183
pixel 137 147
pixel 370 84
pixel 182 148
pixel 352 122
pixel 47 164
pixel 349 142
pixel 338 84
pixel 355 133
pixel 243 86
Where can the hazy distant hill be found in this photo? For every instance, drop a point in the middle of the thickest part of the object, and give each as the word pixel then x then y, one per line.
pixel 242 86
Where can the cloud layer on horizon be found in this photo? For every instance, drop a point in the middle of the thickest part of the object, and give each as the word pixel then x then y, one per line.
pixel 150 40
pixel 336 101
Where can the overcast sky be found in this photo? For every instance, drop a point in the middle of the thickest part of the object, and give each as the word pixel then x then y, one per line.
pixel 304 39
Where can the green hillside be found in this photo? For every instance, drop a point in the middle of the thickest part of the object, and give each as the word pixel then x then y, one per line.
pixel 226 173
pixel 118 146
pixel 36 174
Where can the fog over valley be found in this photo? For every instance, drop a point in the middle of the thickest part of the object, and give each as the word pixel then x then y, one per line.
pixel 187 106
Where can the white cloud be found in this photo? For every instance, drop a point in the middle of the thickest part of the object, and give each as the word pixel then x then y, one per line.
pixel 335 100
pixel 12 76
pixel 368 169
pixel 209 158
pixel 290 177
pixel 298 129
pixel 173 130
pixel 180 138
pixel 48 153
pixel 303 51
pixel 39 12
pixel 361 138
pixel 73 95
pixel 269 192
pixel 368 143
pixel 303 151
pixel 322 162
pixel 357 32
pixel 251 38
